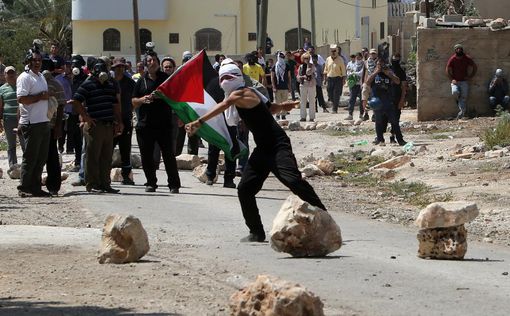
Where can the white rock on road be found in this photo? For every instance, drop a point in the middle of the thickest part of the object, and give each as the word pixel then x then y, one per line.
pixel 303 230
pixel 447 214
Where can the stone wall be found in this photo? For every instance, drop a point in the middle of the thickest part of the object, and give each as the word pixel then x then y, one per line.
pixel 490 50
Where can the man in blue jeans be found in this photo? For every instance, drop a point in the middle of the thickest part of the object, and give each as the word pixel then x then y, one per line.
pixel 459 69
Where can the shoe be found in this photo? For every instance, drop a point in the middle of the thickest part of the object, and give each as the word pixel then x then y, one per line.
pixel 174 190
pixel 402 143
pixel 41 193
pixel 127 181
pixel 54 193
pixel 91 189
pixel 60 150
pixel 24 194
pixel 373 118
pixel 229 184
pixel 110 190
pixel 334 111
pixel 239 173
pixel 209 182
pixel 278 117
pixel 392 140
pixel 150 188
pixel 284 117
pixel 302 120
pixel 78 183
pixel 379 142
pixel 254 238
pixel 311 120
pixel 366 117
pixel 324 110
pixel 361 115
pixel 349 117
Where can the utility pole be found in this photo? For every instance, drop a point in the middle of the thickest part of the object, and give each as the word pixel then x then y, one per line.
pixel 262 25
pixel 312 11
pixel 138 51
pixel 299 30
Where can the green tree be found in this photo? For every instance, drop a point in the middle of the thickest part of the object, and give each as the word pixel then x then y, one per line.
pixel 24 20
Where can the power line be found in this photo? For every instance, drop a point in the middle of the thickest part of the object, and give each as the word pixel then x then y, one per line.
pixel 362 7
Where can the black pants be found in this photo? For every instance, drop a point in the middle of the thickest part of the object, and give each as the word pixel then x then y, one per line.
pixel 192 142
pixel 243 134
pixel 355 94
pixel 53 168
pixel 271 93
pixel 37 138
pixel 320 97
pixel 335 86
pixel 124 142
pixel 213 155
pixel 74 137
pixel 385 115
pixel 147 137
pixel 282 163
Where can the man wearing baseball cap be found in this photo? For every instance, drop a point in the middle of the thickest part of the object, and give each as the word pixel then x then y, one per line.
pixel 8 114
pixel 460 69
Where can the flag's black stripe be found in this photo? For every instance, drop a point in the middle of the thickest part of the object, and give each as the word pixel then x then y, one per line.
pixel 211 82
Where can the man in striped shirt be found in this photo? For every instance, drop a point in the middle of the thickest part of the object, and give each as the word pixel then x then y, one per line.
pixel 102 118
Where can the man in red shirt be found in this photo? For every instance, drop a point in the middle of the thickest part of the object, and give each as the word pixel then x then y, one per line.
pixel 460 68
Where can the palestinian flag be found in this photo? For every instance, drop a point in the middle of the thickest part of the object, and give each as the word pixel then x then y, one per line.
pixel 192 90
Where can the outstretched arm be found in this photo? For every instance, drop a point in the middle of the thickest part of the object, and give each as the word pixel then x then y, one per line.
pixel 284 106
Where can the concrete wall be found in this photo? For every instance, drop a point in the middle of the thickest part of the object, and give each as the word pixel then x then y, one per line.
pixel 490 50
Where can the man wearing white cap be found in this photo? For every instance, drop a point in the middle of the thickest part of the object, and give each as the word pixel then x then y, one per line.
pixel 272 154
pixel 498 91
pixel 458 71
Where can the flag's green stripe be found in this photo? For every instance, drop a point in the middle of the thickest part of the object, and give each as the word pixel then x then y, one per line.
pixel 187 114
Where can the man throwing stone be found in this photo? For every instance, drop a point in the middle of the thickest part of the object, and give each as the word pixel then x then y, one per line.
pixel 272 154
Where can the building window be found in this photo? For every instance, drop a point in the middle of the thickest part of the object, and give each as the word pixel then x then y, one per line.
pixel 145 37
pixel 173 38
pixel 374 4
pixel 209 39
pixel 252 36
pixel 381 30
pixel 111 40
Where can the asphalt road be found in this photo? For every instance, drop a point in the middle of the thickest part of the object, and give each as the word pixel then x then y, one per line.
pixel 376 272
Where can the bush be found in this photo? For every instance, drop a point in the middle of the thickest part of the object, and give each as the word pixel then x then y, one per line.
pixel 499 135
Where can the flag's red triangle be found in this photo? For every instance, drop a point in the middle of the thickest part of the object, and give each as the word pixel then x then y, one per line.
pixel 186 84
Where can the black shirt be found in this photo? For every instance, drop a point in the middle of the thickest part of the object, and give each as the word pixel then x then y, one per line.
pixel 157 114
pixel 99 98
pixel 397 88
pixel 126 86
pixel 266 132
pixel 382 87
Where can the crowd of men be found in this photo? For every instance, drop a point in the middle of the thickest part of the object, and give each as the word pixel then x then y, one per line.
pixel 85 108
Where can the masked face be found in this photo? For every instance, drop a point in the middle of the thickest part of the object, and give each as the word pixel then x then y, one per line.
pixel 230 83
pixel 459 52
pixel 101 72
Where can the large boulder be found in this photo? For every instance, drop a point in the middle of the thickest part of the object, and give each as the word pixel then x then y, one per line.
pixel 303 230
pixel 116 161
pixel 116 175
pixel 14 171
pixel 311 170
pixel 199 173
pixel 270 296
pixel 326 166
pixel 498 23
pixel 187 161
pixel 393 162
pixel 447 214
pixel 294 126
pixel 136 161
pixel 124 240
pixel 443 243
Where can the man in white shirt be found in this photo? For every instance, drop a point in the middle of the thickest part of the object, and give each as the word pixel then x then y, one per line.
pixel 32 94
